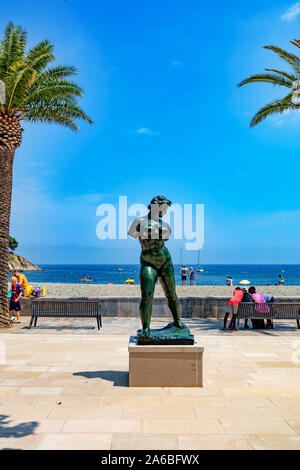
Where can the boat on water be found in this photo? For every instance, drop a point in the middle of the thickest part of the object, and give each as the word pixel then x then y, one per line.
pixel 199 269
pixel 120 270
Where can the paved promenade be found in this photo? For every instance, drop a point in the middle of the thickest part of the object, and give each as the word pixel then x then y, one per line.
pixel 66 387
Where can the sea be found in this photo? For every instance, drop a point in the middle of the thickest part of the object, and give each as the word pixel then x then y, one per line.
pixel 213 274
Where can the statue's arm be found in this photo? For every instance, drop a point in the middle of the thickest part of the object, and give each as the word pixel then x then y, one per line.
pixel 134 228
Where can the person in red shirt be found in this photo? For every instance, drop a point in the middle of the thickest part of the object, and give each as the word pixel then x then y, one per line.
pixel 232 308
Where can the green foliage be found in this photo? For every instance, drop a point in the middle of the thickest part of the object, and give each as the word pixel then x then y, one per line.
pixel 35 90
pixel 13 244
pixel 280 78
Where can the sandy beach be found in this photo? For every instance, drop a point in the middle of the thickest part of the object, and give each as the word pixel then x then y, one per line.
pixel 104 290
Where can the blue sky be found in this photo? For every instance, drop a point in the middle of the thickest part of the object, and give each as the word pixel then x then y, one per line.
pixel 160 84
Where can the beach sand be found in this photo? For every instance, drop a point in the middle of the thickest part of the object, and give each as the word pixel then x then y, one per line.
pixel 104 290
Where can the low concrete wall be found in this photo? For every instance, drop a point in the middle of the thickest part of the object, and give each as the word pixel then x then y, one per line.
pixel 191 307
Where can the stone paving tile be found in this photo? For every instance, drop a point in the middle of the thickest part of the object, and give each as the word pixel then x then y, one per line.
pixel 290 402
pixel 8 391
pixel 240 425
pixel 295 425
pixel 144 442
pixel 31 412
pixel 75 441
pixel 204 402
pixel 284 413
pixel 227 413
pixel 39 391
pixel 102 425
pixel 20 443
pixel 129 402
pixel 184 426
pixel 273 442
pixel 248 403
pixel 160 413
pixel 212 442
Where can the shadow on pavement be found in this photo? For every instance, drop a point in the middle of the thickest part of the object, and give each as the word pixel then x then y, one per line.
pixel 17 431
pixel 119 378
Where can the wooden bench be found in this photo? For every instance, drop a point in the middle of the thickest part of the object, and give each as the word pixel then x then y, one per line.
pixel 65 308
pixel 269 311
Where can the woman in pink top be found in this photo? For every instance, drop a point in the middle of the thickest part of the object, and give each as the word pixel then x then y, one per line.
pixel 262 306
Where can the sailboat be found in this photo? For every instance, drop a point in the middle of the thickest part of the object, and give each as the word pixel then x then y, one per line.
pixel 199 269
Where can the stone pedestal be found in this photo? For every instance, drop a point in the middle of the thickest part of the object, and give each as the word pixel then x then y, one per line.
pixel 165 366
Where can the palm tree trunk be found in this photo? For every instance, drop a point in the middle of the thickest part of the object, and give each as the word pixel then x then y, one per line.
pixel 6 166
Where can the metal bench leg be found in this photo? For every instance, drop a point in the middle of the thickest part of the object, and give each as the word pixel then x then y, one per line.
pixel 100 318
pixel 35 320
pixel 31 321
pixel 298 323
pixel 98 322
pixel 238 323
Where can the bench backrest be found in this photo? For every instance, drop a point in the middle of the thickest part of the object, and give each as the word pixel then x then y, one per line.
pixel 66 307
pixel 281 310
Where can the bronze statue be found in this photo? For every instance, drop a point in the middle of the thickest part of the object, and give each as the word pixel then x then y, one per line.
pixel 156 262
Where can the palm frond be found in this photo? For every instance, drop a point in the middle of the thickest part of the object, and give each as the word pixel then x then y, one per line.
pixel 284 74
pixel 276 106
pixel 275 79
pixel 292 59
pixel 49 116
pixel 295 42
pixel 12 47
pixel 40 55
pixel 52 89
pixel 65 107
pixel 60 71
pixel 20 77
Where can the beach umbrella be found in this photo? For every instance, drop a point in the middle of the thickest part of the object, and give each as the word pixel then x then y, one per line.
pixel 129 281
pixel 245 282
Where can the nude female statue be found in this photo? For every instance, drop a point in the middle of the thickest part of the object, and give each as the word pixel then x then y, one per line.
pixel 155 260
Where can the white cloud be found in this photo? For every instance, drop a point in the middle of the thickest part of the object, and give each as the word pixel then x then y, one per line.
pixel 147 131
pixel 292 12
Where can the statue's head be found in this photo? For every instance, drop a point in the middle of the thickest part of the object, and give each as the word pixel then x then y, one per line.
pixel 159 205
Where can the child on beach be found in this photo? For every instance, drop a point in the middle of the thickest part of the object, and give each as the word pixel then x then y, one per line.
pixel 15 304
pixel 232 308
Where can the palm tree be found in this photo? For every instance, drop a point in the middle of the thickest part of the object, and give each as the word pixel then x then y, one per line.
pixel 277 77
pixel 32 91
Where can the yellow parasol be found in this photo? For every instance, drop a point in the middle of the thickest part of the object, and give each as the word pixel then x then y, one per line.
pixel 245 282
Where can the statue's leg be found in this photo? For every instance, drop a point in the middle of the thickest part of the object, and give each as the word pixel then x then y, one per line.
pixel 148 278
pixel 167 277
